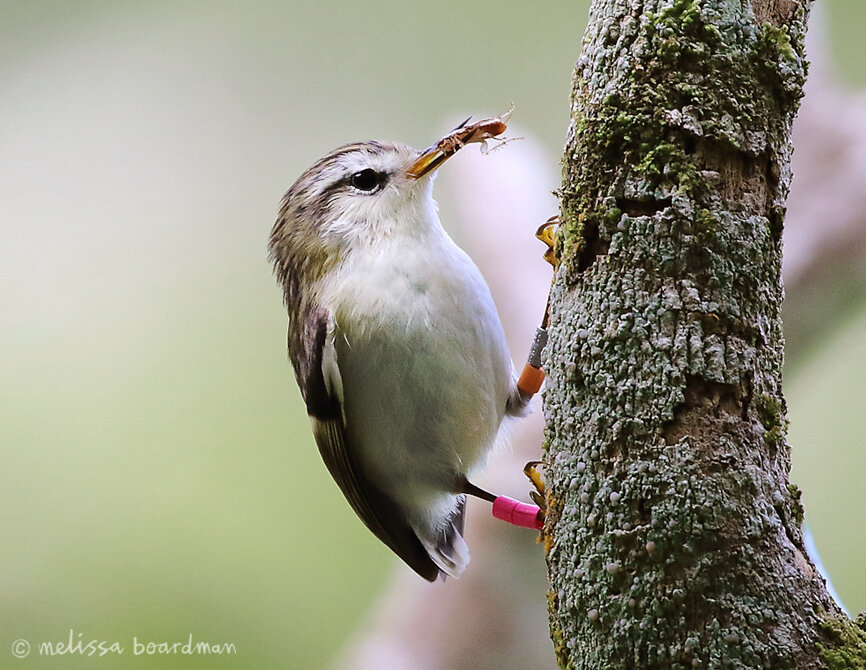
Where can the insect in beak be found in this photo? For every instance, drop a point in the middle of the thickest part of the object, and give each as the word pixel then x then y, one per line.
pixel 466 133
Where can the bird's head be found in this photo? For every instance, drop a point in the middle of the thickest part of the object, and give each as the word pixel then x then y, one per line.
pixel 357 194
pixel 362 195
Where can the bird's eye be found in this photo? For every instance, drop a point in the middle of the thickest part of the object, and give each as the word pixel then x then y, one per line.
pixel 366 180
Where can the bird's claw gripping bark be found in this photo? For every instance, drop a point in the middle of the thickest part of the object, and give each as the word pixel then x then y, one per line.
pixel 547 233
pixel 535 478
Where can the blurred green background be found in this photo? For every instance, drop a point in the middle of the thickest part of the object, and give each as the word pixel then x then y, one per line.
pixel 158 476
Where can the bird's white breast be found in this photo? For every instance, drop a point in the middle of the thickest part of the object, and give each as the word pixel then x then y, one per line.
pixel 423 361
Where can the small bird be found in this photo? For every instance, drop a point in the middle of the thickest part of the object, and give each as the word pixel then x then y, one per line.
pixel 395 341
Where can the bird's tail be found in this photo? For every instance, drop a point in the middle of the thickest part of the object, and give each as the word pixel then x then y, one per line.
pixel 445 544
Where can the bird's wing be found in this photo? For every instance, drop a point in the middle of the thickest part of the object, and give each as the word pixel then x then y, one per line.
pixel 314 357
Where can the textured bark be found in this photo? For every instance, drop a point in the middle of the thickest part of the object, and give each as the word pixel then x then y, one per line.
pixel 673 535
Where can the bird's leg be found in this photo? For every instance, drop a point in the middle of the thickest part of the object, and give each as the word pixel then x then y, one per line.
pixel 546 232
pixel 532 376
pixel 507 509
pixel 472 490
pixel 529 383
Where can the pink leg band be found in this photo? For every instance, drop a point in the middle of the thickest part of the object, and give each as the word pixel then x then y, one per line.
pixel 517 513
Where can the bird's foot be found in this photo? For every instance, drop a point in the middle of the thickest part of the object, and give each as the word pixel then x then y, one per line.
pixel 538 483
pixel 547 233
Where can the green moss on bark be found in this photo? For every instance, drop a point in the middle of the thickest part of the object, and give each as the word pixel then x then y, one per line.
pixel 687 84
pixel 844 645
pixel 796 504
pixel 771 413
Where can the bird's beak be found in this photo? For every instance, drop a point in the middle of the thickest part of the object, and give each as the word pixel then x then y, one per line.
pixel 429 160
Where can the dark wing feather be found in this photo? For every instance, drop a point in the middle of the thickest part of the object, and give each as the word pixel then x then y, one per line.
pixel 318 376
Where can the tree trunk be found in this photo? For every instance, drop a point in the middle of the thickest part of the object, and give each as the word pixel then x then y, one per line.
pixel 673 536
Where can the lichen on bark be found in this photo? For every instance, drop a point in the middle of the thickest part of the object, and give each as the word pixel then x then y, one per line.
pixel 673 534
